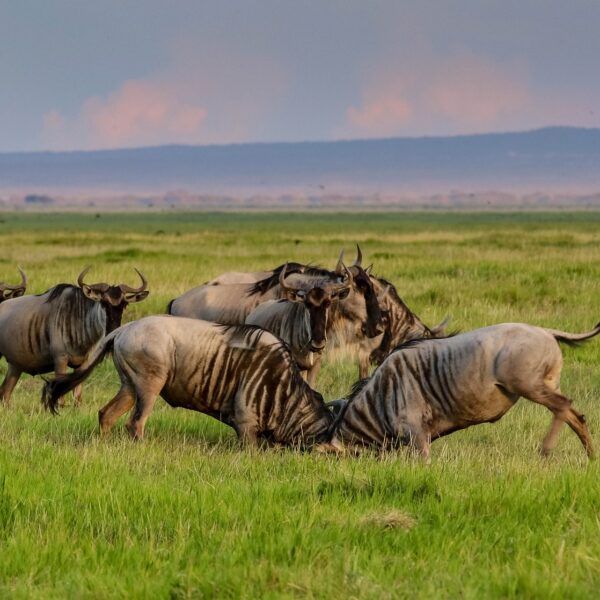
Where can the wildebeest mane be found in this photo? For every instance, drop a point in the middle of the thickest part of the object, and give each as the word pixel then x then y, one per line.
pixel 393 292
pixel 243 336
pixel 264 285
pixel 57 290
pixel 418 341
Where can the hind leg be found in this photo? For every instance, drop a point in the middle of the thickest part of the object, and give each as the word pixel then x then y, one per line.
pixel 146 394
pixel 116 408
pixel 561 407
pixel 9 383
pixel 552 436
pixel 77 391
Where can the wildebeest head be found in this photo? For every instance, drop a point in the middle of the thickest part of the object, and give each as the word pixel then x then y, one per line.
pixel 8 291
pixel 399 322
pixel 317 300
pixel 113 298
pixel 370 315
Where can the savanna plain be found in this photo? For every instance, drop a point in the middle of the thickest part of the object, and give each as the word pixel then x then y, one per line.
pixel 187 513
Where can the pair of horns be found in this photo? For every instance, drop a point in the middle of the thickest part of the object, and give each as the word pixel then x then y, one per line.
pixel 102 287
pixel 5 287
pixel 357 261
pixel 332 287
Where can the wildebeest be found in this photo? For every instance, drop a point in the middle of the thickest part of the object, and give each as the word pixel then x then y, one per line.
pixel 230 304
pixel 242 375
pixel 302 320
pixel 232 277
pixel 57 329
pixel 431 387
pixel 399 322
pixel 8 291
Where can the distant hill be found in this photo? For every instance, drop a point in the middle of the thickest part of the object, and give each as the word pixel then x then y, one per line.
pixel 547 159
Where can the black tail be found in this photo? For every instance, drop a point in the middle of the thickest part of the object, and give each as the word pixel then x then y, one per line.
pixel 573 339
pixel 56 388
pixel 169 306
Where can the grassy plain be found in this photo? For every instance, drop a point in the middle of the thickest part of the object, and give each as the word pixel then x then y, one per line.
pixel 187 514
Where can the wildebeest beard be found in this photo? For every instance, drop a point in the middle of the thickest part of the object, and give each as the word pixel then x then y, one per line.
pixel 113 304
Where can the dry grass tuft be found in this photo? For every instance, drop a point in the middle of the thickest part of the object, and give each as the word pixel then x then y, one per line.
pixel 390 519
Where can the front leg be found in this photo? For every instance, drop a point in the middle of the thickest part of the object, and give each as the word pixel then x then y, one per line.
pixel 61 367
pixel 8 385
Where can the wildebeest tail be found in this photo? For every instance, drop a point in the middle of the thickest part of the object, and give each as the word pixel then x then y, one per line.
pixel 170 306
pixel 573 339
pixel 56 388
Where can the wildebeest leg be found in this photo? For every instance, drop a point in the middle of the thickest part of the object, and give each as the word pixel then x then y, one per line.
pixel 363 365
pixel 117 407
pixel 552 436
pixel 247 435
pixel 314 371
pixel 8 385
pixel 144 403
pixel 421 440
pixel 77 391
pixel 561 407
pixel 61 367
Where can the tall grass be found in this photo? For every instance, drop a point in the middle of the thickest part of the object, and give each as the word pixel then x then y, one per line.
pixel 188 514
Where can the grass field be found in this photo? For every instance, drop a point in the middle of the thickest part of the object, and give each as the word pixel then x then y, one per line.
pixel 187 514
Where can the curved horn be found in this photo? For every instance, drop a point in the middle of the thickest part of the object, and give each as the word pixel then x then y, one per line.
pixel 340 263
pixel 282 285
pixel 21 286
pixel 82 275
pixel 358 261
pixel 129 290
pixel 346 284
pixel 439 329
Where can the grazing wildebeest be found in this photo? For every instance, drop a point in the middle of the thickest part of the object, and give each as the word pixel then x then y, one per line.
pixel 8 291
pixel 400 325
pixel 57 329
pixel 242 375
pixel 302 320
pixel 429 388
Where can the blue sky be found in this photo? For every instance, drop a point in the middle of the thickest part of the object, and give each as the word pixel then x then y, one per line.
pixel 84 75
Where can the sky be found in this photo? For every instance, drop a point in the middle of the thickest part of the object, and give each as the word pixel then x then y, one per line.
pixel 84 74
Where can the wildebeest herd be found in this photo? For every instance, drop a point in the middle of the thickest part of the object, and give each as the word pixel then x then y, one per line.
pixel 246 348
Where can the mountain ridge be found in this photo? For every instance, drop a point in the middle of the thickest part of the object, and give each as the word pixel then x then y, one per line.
pixel 548 158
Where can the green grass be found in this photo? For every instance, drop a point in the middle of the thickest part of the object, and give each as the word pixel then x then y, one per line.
pixel 187 514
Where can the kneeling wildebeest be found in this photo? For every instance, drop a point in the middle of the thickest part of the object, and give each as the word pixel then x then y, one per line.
pixel 241 375
pixel 57 329
pixel 8 291
pixel 429 388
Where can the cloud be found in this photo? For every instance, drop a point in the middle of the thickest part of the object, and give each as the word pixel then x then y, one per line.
pixel 460 93
pixel 198 98
pixel 138 113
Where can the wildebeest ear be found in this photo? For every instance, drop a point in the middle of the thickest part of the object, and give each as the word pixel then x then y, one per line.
pixel 13 293
pixel 369 269
pixel 344 294
pixel 91 293
pixel 137 297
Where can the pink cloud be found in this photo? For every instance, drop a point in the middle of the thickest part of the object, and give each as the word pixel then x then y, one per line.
pixel 141 112
pixel 474 93
pixel 461 93
pixel 380 113
pixel 198 98
pixel 138 113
